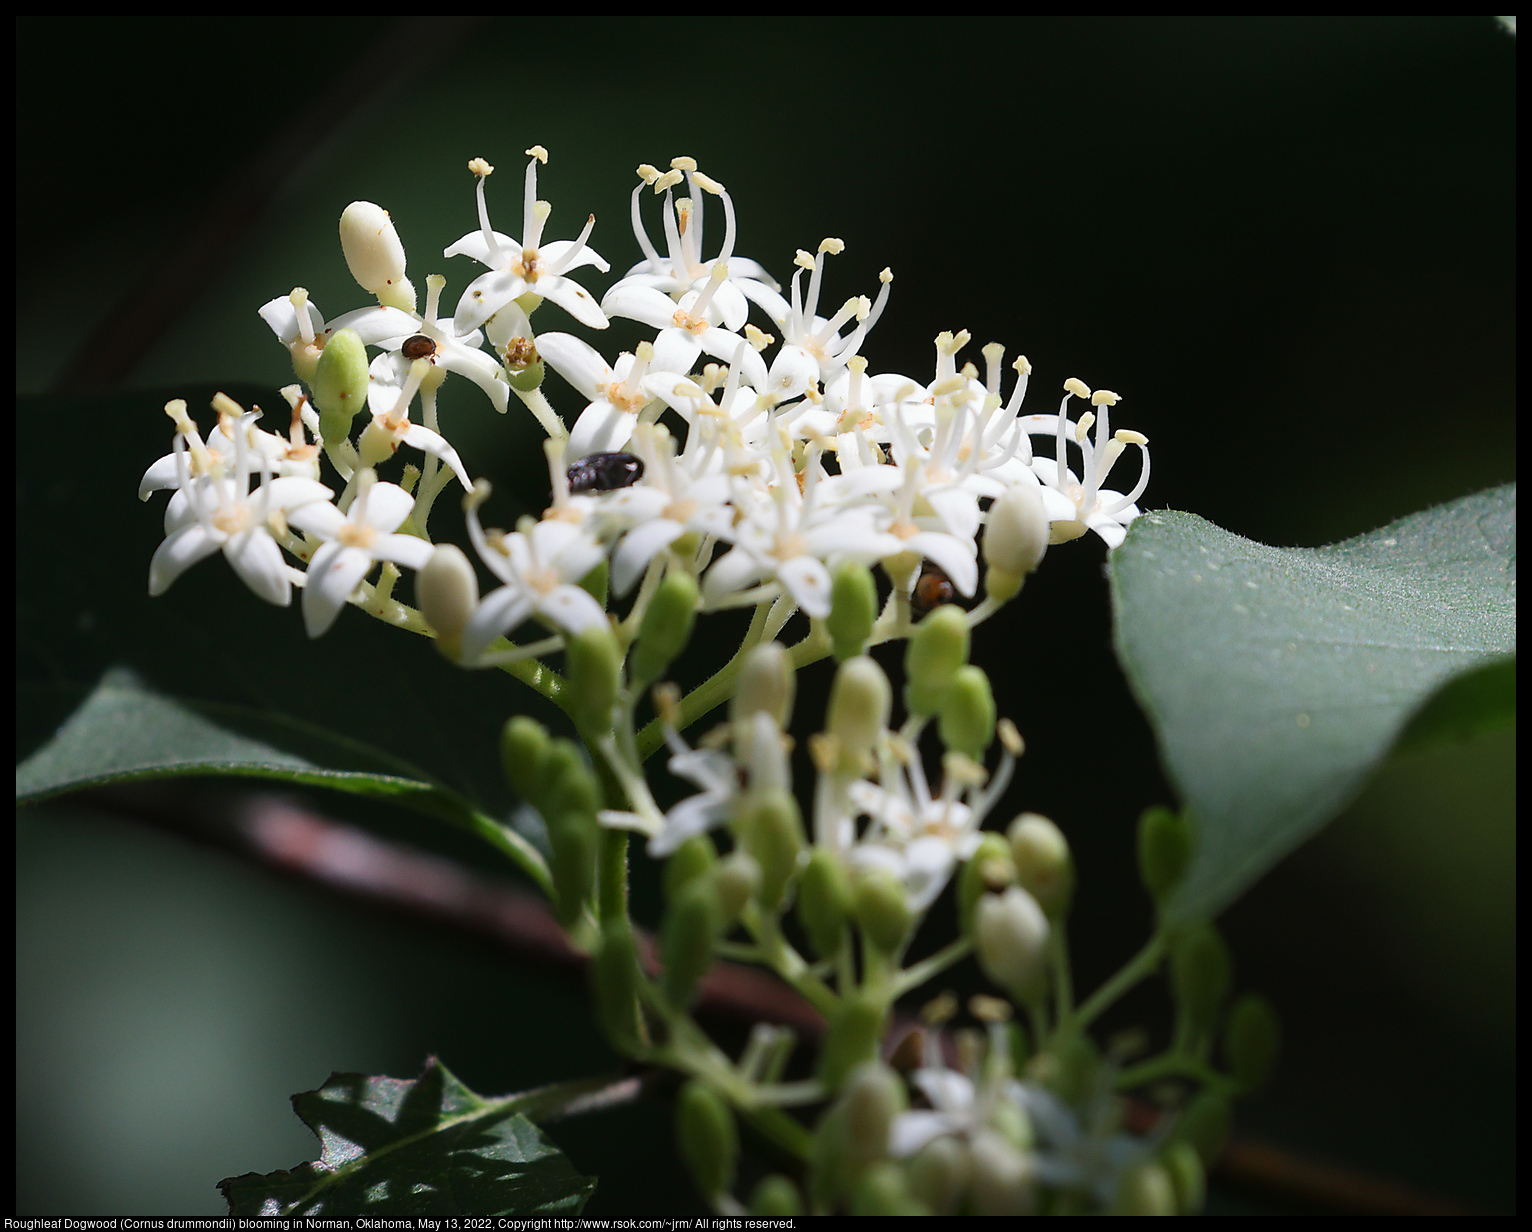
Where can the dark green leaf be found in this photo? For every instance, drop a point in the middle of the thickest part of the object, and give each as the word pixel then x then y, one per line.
pixel 427 1147
pixel 1278 679
pixel 123 732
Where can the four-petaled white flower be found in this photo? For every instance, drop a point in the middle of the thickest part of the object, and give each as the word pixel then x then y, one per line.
pixel 354 542
pixel 526 266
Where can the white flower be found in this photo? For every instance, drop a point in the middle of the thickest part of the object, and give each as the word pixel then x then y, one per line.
pixel 526 266
pixel 759 764
pixel 617 393
pixel 299 326
pixel 391 426
pixel 1097 508
pixel 684 328
pixel 1091 1157
pixel 221 513
pixel 354 542
pixel 540 564
pixel 683 267
pixel 442 349
pixel 811 343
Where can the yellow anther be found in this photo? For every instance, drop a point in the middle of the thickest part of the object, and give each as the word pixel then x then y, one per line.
pixel 1129 437
pixel 857 364
pixel 1010 738
pixel 1083 427
pixel 949 386
pixel 226 405
pixel 989 1009
pixel 860 305
pixel 803 260
pixel 669 180
pixel 707 183
pixel 480 167
pixel 887 275
pixel 1022 364
pixel 993 352
pixel 538 153
pixel 1105 397
pixel 1077 387
pixel 647 173
pixel 832 245
pixel 683 162
pixel 936 1012
pixel 758 338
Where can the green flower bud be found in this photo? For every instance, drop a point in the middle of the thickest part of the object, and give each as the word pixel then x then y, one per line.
pixel 824 901
pixel 574 837
pixel 1204 1124
pixel 873 1097
pixel 881 1190
pixel 374 254
pixel 1165 843
pixel 772 831
pixel 340 384
pixel 615 983
pixel 1071 1068
pixel 446 592
pixel 1187 1177
pixel 853 609
pixel 594 667
pixel 860 701
pixel 527 376
pixel 1252 1040
pixel 524 747
pixel 567 783
pixel 1015 536
pixel 937 648
pixel 1002 1178
pixel 736 880
pixel 594 583
pixel 967 721
pixel 852 1037
pixel 689 861
pixel 1010 935
pixel 1145 1190
pixel 882 909
pixel 1044 866
pixel 708 1137
pixel 665 628
pixel 990 869
pixel 688 937
pixel 1200 975
pixel 831 1170
pixel 939 1174
pixel 776 1197
pixel 766 682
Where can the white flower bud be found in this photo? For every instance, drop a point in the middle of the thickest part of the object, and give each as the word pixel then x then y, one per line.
pixel 1017 534
pixel 1011 936
pixel 765 683
pixel 447 591
pixel 374 253
pixel 859 706
pixel 1002 1177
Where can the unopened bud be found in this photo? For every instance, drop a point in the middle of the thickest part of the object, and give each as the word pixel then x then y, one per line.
pixel 772 831
pixel 1200 974
pixel 1187 1177
pixel 765 683
pixel 567 783
pixel 1044 866
pixel 1145 1190
pixel 824 901
pixel 860 701
pixel 615 981
pixel 967 721
pixel 446 592
pixel 340 384
pixel 691 860
pixel 594 666
pixel 989 870
pixel 693 923
pixel 853 609
pixel 574 837
pixel 1165 844
pixel 940 1173
pixel 665 628
pixel 524 745
pixel 708 1137
pixel 937 648
pixel 1011 937
pixel 776 1197
pixel 852 1037
pixel 1204 1124
pixel 882 909
pixel 1015 538
pixel 736 879
pixel 1002 1181
pixel 873 1096
pixel 881 1190
pixel 1252 1041
pixel 375 255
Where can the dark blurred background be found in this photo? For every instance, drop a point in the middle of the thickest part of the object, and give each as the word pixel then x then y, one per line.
pixel 1287 243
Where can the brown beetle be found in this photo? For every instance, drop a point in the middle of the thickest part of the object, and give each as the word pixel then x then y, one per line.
pixel 418 347
pixel 932 589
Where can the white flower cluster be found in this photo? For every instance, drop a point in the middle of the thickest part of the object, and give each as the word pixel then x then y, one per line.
pixel 759 469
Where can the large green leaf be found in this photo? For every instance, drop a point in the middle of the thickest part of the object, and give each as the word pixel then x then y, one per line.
pixel 426 1147
pixel 124 732
pixel 1277 679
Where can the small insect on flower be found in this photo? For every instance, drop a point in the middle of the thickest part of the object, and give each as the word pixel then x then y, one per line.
pixel 932 589
pixel 418 347
pixel 604 472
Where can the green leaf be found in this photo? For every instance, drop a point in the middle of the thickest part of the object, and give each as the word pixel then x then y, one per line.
pixel 427 1146
pixel 123 732
pixel 1278 679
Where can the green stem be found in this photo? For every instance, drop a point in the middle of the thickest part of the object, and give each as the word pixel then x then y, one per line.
pixel 928 968
pixel 1170 1065
pixel 521 852
pixel 1140 967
